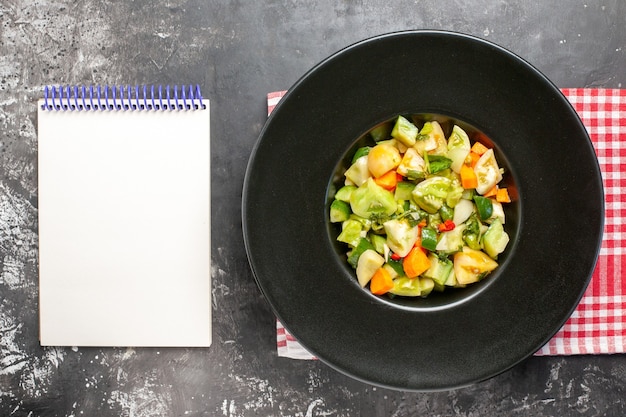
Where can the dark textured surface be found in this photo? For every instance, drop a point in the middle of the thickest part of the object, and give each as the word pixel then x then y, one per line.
pixel 238 51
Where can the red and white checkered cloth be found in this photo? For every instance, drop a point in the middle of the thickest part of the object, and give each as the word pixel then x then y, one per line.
pixel 598 324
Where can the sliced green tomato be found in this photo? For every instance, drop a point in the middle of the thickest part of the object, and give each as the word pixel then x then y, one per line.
pixel 395 143
pixel 458 148
pixel 401 236
pixel 344 193
pixel 405 131
pixel 495 239
pixel 407 287
pixel 339 211
pixel 452 241
pixel 455 193
pixel 401 147
pixel 382 158
pixel 471 265
pixel 358 172
pixel 367 265
pixel 426 139
pixel 411 163
pixel 431 193
pixel 371 199
pixel 487 172
pixel 458 139
pixel 484 207
pixel 441 145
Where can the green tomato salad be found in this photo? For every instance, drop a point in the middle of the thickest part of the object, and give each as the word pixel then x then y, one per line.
pixel 420 210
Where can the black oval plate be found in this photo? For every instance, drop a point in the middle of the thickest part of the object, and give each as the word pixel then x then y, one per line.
pixel 558 222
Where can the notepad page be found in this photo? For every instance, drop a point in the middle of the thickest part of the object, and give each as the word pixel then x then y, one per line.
pixel 124 228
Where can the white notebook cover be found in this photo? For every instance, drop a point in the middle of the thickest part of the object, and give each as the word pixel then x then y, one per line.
pixel 124 228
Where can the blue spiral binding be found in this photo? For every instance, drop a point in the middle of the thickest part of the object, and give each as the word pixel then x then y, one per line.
pixel 122 98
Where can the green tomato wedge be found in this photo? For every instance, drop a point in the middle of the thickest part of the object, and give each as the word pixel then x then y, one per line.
pixel 487 172
pixel 431 193
pixel 425 139
pixel 454 194
pixel 436 142
pixel 382 158
pixel 358 172
pixel 471 265
pixel 370 199
pixel 458 148
pixel 412 165
pixel 401 236
pixel 452 241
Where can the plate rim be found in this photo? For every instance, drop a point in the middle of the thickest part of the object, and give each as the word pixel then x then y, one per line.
pixel 294 90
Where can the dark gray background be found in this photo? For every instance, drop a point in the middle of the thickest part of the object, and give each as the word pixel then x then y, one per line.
pixel 237 52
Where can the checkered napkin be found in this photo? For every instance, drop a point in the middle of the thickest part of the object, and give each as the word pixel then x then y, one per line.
pixel 598 324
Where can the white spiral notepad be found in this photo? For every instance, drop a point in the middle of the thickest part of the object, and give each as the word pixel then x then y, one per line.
pixel 124 217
